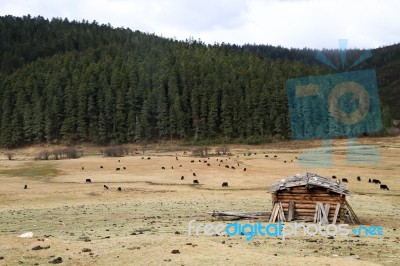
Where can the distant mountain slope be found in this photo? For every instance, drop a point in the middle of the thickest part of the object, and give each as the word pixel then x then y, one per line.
pixel 64 81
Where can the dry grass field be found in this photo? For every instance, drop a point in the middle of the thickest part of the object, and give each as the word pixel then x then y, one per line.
pixel 144 222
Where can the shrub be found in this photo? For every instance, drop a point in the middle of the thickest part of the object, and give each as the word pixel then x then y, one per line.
pixel 42 155
pixel 200 151
pixel 10 155
pixel 59 154
pixel 115 151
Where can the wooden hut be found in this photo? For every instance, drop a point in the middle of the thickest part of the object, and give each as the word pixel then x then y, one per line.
pixel 310 197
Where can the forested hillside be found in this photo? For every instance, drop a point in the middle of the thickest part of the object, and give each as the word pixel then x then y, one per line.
pixel 65 82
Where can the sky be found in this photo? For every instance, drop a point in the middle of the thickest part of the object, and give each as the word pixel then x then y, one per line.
pixel 288 23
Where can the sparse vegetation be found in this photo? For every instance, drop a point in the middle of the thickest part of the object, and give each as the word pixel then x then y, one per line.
pixel 115 151
pixel 223 149
pixel 58 154
pixel 42 155
pixel 200 151
pixel 9 155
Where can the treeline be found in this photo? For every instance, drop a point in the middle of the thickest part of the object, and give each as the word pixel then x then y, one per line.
pixel 66 82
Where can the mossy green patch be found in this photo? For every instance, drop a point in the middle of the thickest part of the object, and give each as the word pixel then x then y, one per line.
pixel 32 171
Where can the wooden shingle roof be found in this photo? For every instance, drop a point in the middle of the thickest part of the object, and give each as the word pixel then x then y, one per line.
pixel 310 180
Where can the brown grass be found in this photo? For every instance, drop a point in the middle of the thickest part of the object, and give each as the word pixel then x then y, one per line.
pixel 66 210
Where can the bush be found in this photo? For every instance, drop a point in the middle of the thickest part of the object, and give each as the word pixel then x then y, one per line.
pixel 224 149
pixel 43 155
pixel 115 151
pixel 200 151
pixel 10 155
pixel 71 153
pixel 58 154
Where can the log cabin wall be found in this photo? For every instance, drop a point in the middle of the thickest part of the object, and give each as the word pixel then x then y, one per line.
pixel 306 199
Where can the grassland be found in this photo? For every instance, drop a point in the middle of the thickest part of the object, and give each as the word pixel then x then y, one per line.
pixel 144 222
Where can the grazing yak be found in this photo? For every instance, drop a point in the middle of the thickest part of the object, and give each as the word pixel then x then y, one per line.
pixel 333 177
pixel 101 167
pixel 124 168
pixel 117 169
pixel 376 181
pixel 196 181
pixel 358 178
pixel 88 180
pixel 224 184
pixel 344 180
pixel 105 187
pixel 384 187
pixel 244 169
pixel 182 177
pixel 119 189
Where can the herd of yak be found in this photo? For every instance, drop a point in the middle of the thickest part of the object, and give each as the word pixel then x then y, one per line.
pixel 225 184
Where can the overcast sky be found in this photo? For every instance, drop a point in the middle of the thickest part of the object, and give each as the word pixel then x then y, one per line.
pixel 289 23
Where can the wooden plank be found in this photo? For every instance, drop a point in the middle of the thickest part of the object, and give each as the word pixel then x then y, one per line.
pixel 320 209
pixel 326 213
pixel 316 213
pixel 331 212
pixel 286 203
pixel 273 213
pixel 352 214
pixel 302 192
pixel 300 205
pixel 236 214
pixel 308 197
pixel 276 212
pixel 216 213
pixel 351 218
pixel 281 212
pixel 336 213
pixel 291 210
